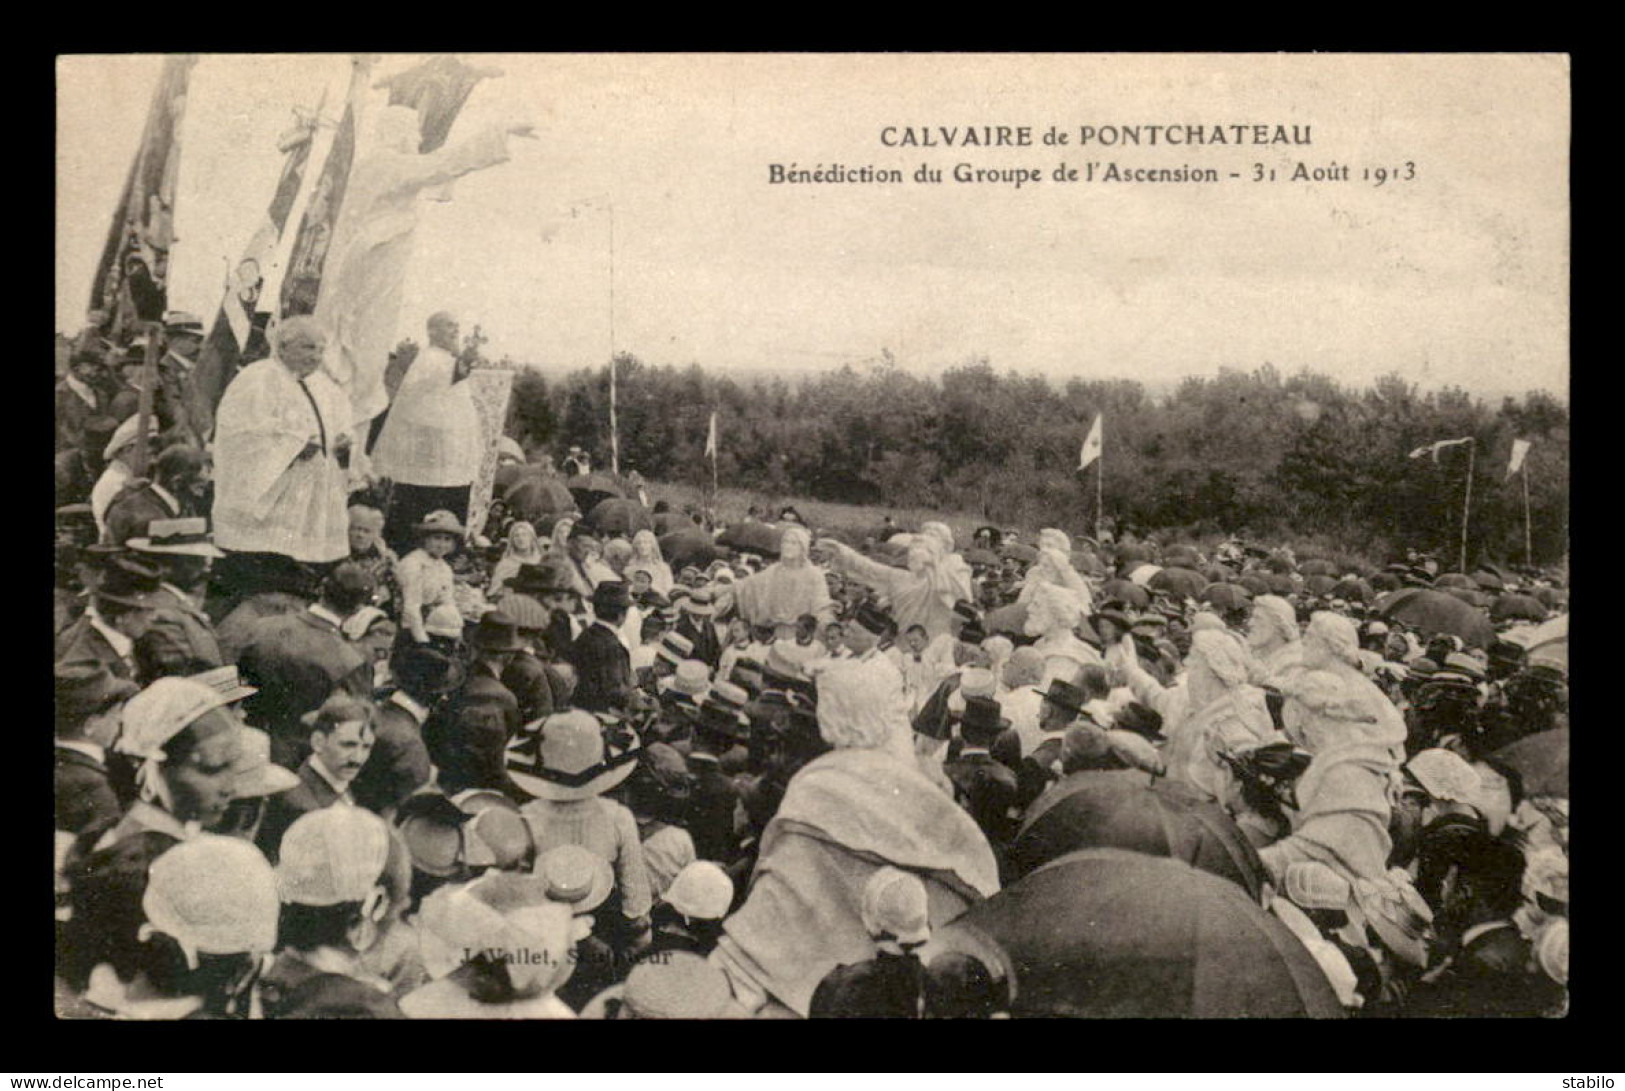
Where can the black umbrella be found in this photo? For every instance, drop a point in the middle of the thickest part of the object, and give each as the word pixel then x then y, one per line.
pixel 1523 607
pixel 1126 809
pixel 1453 579
pixel 1472 596
pixel 1011 619
pixel 1488 581
pixel 589 489
pixel 1385 581
pixel 1021 551
pixel 1182 582
pixel 1106 933
pixel 530 498
pixel 1542 761
pixel 1255 583
pixel 1431 612
pixel 1278 562
pixel 1126 591
pixel 692 545
pixel 1319 584
pixel 1087 563
pixel 618 515
pixel 761 538
pixel 984 558
pixel 1280 583
pixel 1317 568
pixel 1354 589
pixel 1226 596
pixel 1183 555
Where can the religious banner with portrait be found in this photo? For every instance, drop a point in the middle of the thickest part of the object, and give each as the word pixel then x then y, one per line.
pixel 491 388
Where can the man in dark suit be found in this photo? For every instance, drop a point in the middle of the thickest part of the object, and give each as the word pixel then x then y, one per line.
pixel 121 609
pixel 77 399
pixel 181 639
pixel 298 660
pixel 496 642
pixel 88 704
pixel 603 664
pixel 711 806
pixel 983 786
pixel 341 740
pixel 400 763
pixel 695 625
pixel 1063 706
pixel 178 475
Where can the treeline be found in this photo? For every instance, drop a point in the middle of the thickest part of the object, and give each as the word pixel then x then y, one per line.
pixel 1259 452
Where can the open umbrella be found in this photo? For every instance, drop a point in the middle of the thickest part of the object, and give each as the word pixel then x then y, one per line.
pixel 1106 933
pixel 1319 584
pixel 618 515
pixel 1472 596
pixel 1453 579
pixel 1385 581
pixel 1184 555
pixel 589 489
pixel 1354 589
pixel 1021 551
pixel 1542 761
pixel 1550 597
pixel 1086 563
pixel 1488 581
pixel 1010 620
pixel 1126 809
pixel 1128 556
pixel 1523 607
pixel 1226 596
pixel 1278 562
pixel 985 558
pixel 533 497
pixel 1280 583
pixel 1142 573
pixel 1127 592
pixel 1431 612
pixel 762 538
pixel 1218 573
pixel 1181 582
pixel 691 545
pixel 1317 568
pixel 1254 583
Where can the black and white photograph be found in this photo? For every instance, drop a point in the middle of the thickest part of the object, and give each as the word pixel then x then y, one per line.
pixel 776 536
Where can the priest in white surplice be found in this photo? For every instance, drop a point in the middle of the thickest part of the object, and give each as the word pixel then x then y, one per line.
pixel 282 453
pixel 432 442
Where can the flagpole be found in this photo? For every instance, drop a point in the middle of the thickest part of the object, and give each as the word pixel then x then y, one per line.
pixel 614 430
pixel 1100 484
pixel 1467 502
pixel 1528 546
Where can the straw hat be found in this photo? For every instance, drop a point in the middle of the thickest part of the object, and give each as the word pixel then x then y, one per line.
pixel 570 760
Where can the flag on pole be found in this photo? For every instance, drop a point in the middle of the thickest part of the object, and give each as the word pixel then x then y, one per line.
pixel 1434 448
pixel 1091 445
pixel 302 276
pixel 129 285
pixel 238 334
pixel 711 437
pixel 1520 448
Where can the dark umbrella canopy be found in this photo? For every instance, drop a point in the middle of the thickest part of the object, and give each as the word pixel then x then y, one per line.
pixel 1431 612
pixel 1126 591
pixel 1254 583
pixel 532 497
pixel 1317 568
pixel 1183 582
pixel 1355 589
pixel 1523 607
pixel 1278 562
pixel 1183 555
pixel 618 515
pixel 1280 583
pixel 1489 581
pixel 762 538
pixel 983 557
pixel 691 545
pixel 1021 551
pixel 1542 761
pixel 1319 584
pixel 1087 563
pixel 1129 810
pixel 589 489
pixel 1472 596
pixel 1226 596
pixel 1218 573
pixel 1550 597
pixel 1105 933
pixel 1010 620
pixel 1385 581
pixel 1453 579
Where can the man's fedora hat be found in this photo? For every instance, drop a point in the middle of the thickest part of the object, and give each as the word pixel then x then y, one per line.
pixel 982 714
pixel 610 595
pixel 1066 695
pixel 128 584
pixel 541 579
pixel 440 522
pixel 86 687
pixel 497 632
pixel 189 537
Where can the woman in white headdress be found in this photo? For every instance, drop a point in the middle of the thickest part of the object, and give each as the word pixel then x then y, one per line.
pixel 863 806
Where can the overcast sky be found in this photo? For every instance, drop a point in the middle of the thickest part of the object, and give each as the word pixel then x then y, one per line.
pixel 1457 276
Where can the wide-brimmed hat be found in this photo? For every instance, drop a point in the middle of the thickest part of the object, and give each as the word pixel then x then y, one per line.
pixel 526 612
pixel 86 687
pixel 1066 695
pixel 611 595
pixel 128 585
pixel 440 522
pixel 253 773
pixel 188 537
pixel 675 648
pixel 497 632
pixel 496 834
pixel 227 682
pixel 691 679
pixel 723 720
pixel 575 876
pixel 183 322
pixel 567 759
pixel 542 579
pixel 432 827
pixel 699 603
pixel 124 435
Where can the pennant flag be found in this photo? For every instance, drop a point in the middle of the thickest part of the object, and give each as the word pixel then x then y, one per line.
pixel 711 438
pixel 129 285
pixel 1091 445
pixel 238 334
pixel 302 281
pixel 1520 448
pixel 1433 448
pixel 437 90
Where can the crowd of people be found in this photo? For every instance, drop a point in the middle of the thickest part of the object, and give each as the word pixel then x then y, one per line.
pixel 323 750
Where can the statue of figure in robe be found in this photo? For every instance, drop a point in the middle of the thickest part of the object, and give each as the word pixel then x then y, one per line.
pixel 372 244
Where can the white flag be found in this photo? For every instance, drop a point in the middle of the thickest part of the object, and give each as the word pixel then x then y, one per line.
pixel 711 437
pixel 1091 446
pixel 1520 447
pixel 1433 448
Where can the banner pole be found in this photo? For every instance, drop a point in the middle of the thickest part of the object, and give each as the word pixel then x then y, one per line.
pixel 1467 503
pixel 1528 538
